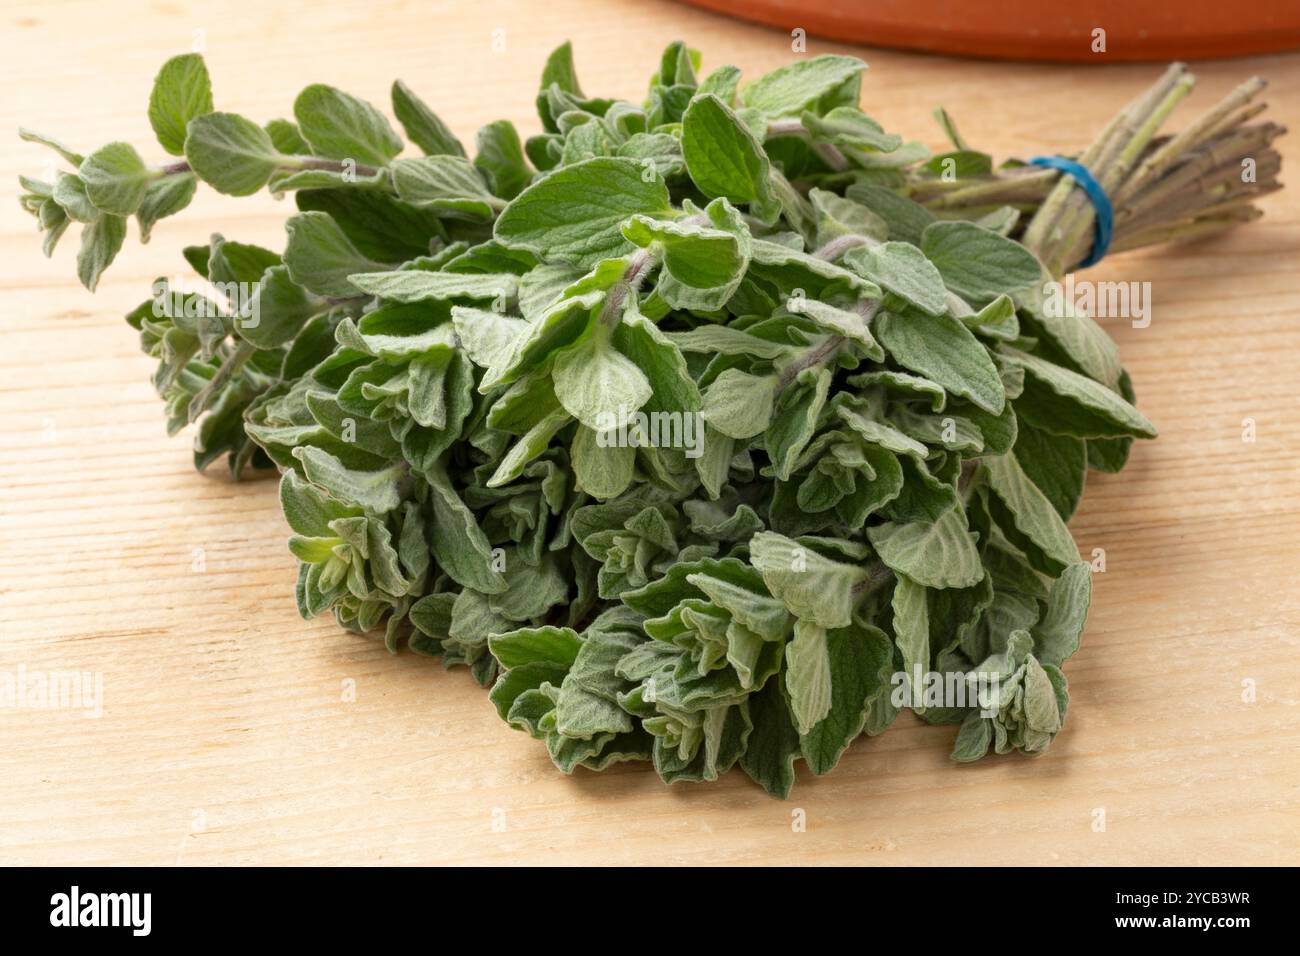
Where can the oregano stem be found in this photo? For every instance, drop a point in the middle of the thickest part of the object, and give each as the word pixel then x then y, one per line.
pixel 867 308
pixel 639 265
pixel 842 244
pixel 878 575
pixel 812 358
pixel 833 156
pixel 1081 216
pixel 232 364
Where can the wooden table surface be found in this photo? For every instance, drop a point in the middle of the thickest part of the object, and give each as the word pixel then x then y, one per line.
pixel 227 734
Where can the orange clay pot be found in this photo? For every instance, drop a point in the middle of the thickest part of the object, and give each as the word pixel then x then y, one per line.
pixel 1039 29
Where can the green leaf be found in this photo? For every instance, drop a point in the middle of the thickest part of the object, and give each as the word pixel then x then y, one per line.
pixel 422 125
pixel 416 285
pixel 1033 514
pixel 101 241
pixel 569 320
pixel 997 319
pixel 724 340
pixel 376 491
pixel 1082 339
pixel 231 154
pixel 795 420
pixel 308 510
pixel 740 593
pixel 450 185
pixel 806 84
pixel 511 685
pixel 902 269
pixel 808 675
pixel 791 270
pixel 726 159
pixel 911 385
pixel 340 126
pixel 672 387
pixel 739 404
pixel 165 197
pixel 501 158
pixel 559 73
pixel 906 218
pixel 341 179
pixel 852 132
pixel 912 634
pixel 704 265
pixel 721 83
pixel 814 588
pixel 553 645
pixel 595 667
pixel 1042 713
pixel 575 214
pixel 960 164
pixel 473 620
pixel 486 336
pixel 1066 403
pixel 837 216
pixel 940 348
pixel 977 263
pixel 181 91
pixel 287 139
pixel 366 434
pixel 851 325
pixel 458 543
pixel 116 178
pixel 1057 464
pixel 534 442
pixel 773 743
pixel 973 739
pixel 380 225
pixel 70 193
pixel 602 472
pixel 1056 636
pixel 279 310
pixel 69 156
pixel 861 659
pixel 237 261
pixel 938 554
pixel 582 715
pixel 598 385
pixel 320 258
pixel 1111 454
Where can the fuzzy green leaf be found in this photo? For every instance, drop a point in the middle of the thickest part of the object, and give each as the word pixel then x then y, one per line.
pixel 231 154
pixel 339 126
pixel 116 178
pixel 940 348
pixel 937 554
pixel 181 91
pixel 575 214
pixel 726 159
pixel 977 263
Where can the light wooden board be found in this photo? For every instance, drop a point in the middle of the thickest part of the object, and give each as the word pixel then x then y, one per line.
pixel 225 737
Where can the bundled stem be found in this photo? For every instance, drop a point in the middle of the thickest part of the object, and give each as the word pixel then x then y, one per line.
pixel 1200 181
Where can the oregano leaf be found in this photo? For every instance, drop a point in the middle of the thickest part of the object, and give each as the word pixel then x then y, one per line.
pixel 181 91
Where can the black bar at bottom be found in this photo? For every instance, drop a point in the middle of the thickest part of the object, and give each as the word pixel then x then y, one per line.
pixel 334 906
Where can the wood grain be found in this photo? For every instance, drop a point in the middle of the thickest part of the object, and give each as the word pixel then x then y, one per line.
pixel 225 736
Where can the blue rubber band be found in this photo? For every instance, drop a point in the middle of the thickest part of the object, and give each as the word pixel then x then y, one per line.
pixel 1100 202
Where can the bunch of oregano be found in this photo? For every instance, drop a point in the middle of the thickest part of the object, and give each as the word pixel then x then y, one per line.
pixel 710 430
